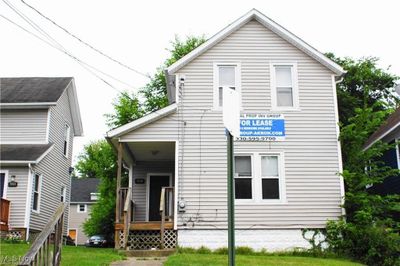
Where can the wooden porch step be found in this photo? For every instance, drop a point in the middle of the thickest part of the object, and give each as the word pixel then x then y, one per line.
pixel 149 253
pixel 142 226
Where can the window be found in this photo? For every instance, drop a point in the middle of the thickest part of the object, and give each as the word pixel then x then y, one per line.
pixel 243 177
pixel 259 178
pixel 36 192
pixel 82 208
pixel 284 86
pixel 94 196
pixel 225 75
pixel 66 140
pixel 63 194
pixel 270 177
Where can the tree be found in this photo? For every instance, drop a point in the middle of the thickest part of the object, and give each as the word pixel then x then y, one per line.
pixel 128 107
pixel 370 233
pixel 361 74
pixel 98 160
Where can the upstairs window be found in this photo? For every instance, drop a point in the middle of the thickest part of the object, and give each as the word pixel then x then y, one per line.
pixel 243 177
pixel 284 93
pixel 225 75
pixel 36 192
pixel 82 208
pixel 66 140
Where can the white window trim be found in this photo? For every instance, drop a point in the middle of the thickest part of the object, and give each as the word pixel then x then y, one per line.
pixel 238 82
pixel 68 140
pixel 5 172
pixel 295 87
pixel 257 179
pixel 39 192
pixel 64 194
pixel 253 183
pixel 78 209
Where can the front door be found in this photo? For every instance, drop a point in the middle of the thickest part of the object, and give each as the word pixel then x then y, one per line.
pixel 155 185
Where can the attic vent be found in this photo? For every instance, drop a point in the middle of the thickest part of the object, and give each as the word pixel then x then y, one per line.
pixel 94 196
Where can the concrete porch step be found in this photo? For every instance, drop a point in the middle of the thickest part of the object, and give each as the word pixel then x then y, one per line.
pixel 149 253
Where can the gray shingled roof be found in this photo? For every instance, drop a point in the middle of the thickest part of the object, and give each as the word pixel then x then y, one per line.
pixel 22 152
pixel 82 187
pixel 32 90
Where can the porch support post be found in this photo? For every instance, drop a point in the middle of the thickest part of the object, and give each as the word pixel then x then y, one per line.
pixel 118 200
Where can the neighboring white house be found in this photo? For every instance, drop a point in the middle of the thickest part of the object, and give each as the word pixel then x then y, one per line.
pixel 39 119
pixel 83 196
pixel 281 187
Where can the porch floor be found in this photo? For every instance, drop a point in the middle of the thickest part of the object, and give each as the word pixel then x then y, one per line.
pixel 137 226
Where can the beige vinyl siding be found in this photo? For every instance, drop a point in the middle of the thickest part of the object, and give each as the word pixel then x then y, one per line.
pixel 310 149
pixel 27 126
pixel 311 160
pixel 54 167
pixel 139 194
pixel 17 195
pixel 76 220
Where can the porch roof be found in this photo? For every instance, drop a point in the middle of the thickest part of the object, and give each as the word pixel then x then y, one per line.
pixel 138 123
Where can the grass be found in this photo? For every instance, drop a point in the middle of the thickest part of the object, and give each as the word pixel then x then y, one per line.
pixel 71 255
pixel 254 260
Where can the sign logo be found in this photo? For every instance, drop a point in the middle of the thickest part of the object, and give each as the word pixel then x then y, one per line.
pixel 262 127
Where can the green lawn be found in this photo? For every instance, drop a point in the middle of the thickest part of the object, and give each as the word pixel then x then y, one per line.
pixel 257 260
pixel 71 255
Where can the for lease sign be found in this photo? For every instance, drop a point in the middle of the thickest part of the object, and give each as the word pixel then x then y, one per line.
pixel 262 127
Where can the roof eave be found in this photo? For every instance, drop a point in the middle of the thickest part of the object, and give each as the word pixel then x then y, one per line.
pixel 268 23
pixel 75 110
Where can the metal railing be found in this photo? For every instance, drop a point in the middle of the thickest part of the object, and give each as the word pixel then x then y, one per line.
pixel 46 249
pixel 4 214
pixel 166 210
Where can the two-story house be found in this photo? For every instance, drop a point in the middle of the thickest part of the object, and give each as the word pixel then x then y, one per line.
pixel 83 196
pixel 177 156
pixel 39 119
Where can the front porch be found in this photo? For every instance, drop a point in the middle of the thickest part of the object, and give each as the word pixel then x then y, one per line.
pixel 145 209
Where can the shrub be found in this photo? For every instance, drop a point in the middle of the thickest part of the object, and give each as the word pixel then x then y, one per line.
pixel 244 251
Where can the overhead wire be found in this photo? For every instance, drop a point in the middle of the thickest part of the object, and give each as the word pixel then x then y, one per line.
pixel 85 43
pixel 60 47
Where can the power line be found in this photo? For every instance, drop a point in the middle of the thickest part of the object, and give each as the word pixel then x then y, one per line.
pixel 85 43
pixel 60 47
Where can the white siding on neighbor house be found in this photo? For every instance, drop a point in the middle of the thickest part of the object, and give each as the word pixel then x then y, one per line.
pixel 54 167
pixel 313 188
pixel 139 194
pixel 26 126
pixel 76 220
pixel 17 195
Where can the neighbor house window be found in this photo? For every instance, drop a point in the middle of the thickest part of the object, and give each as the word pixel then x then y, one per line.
pixel 36 192
pixel 82 207
pixel 225 75
pixel 284 93
pixel 63 193
pixel 66 140
pixel 243 177
pixel 270 177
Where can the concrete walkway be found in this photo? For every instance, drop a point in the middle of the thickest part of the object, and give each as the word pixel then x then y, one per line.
pixel 140 261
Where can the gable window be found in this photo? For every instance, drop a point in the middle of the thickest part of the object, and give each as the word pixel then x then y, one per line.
pixel 66 140
pixel 82 208
pixel 243 177
pixel 284 91
pixel 63 192
pixel 37 182
pixel 225 75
